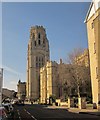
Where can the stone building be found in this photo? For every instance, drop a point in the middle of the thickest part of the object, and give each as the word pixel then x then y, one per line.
pixel 6 93
pixel 37 57
pixel 59 80
pixel 48 81
pixel 21 90
pixel 46 78
pixel 93 29
pixel 83 59
pixel 53 77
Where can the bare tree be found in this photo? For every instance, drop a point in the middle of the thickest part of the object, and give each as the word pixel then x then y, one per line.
pixel 79 73
pixel 74 54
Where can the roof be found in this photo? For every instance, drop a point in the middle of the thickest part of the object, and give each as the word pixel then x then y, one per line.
pixel 95 4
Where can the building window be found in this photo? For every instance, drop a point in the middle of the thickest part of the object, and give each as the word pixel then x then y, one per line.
pixel 39 64
pixel 31 45
pixel 36 59
pixel 42 59
pixel 39 42
pixel 96 72
pixel 94 47
pixel 39 36
pixel 35 43
pixel 36 65
pixel 39 59
pixel 28 46
pixel 92 25
pixel 44 43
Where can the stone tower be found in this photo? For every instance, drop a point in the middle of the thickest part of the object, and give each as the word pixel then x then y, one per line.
pixel 37 57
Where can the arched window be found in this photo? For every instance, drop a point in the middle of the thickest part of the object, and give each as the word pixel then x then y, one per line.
pixel 39 42
pixel 43 42
pixel 39 59
pixel 36 65
pixel 36 59
pixel 35 43
pixel 39 36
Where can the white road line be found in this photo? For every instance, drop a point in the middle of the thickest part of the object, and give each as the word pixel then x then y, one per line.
pixel 30 114
pixel 19 114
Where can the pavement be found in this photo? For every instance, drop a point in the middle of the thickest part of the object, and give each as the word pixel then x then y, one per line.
pixel 45 112
pixel 89 110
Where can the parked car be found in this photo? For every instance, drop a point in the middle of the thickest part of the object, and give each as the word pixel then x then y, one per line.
pixel 9 110
pixel 3 115
pixel 8 106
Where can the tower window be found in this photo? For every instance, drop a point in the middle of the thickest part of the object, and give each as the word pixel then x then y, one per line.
pixel 39 42
pixel 96 72
pixel 92 25
pixel 44 43
pixel 39 36
pixel 35 43
pixel 42 64
pixel 36 64
pixel 36 59
pixel 39 58
pixel 94 47
pixel 42 59
pixel 31 45
pixel 28 46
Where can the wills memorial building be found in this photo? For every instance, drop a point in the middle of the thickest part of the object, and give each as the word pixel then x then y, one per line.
pixel 37 57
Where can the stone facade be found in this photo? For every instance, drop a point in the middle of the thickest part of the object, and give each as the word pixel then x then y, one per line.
pixel 6 93
pixel 21 90
pixel 52 78
pixel 47 78
pixel 48 81
pixel 84 59
pixel 37 57
pixel 93 29
pixel 57 80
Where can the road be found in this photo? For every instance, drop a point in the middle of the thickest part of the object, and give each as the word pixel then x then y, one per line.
pixel 38 112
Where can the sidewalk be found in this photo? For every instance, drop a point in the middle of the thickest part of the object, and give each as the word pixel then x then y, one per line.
pixel 85 111
pixel 90 111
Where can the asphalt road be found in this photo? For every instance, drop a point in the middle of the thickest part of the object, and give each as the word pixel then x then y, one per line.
pixel 40 112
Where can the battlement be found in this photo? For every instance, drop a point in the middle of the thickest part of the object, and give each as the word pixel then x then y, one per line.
pixel 37 27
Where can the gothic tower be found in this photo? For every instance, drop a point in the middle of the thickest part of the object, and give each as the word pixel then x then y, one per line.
pixel 37 57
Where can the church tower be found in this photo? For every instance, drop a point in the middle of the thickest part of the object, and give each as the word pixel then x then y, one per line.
pixel 37 57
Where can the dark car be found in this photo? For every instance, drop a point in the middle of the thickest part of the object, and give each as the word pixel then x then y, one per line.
pixel 3 115
pixel 9 110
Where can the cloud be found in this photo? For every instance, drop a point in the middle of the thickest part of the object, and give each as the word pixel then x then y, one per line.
pixel 5 68
pixel 13 82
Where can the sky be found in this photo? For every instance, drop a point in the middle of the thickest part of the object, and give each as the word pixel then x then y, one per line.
pixel 65 29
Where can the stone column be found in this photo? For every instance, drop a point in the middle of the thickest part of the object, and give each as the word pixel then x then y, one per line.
pixel 95 106
pixel 70 102
pixel 82 103
pixel 58 101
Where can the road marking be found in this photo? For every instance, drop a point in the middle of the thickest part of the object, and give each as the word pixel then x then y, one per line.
pixel 30 114
pixel 19 114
